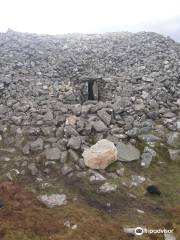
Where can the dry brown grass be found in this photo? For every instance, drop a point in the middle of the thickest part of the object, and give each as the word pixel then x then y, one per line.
pixel 23 218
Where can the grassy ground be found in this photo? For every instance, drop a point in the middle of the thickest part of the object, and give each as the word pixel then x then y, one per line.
pixel 23 218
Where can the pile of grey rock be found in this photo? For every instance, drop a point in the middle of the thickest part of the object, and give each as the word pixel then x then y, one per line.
pixel 48 115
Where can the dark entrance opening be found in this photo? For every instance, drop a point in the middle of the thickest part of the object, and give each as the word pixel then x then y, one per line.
pixel 90 90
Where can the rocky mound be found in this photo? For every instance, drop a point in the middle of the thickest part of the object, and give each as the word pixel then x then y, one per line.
pixel 62 94
pixel 77 110
pixel 124 64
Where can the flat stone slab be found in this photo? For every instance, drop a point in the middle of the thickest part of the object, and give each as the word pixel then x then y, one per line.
pixel 127 152
pixel 53 153
pixel 53 200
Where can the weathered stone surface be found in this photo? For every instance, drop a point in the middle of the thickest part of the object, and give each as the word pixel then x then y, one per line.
pixel 33 169
pixel 96 177
pixel 71 120
pixel 149 138
pixel 74 143
pixel 53 200
pixel 48 131
pixel 169 236
pixel 48 116
pixel 100 155
pixel 174 154
pixel 53 153
pixel 66 169
pixel 104 116
pixel 108 188
pixel 37 145
pixel 137 180
pixel 139 107
pixel 173 139
pixel 73 156
pixel 99 126
pixel 147 157
pixel 127 152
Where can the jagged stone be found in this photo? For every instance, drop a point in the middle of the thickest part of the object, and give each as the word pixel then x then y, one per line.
pixel 108 187
pixel 173 139
pixel 100 155
pixel 147 157
pixel 99 126
pixel 53 153
pixel 137 180
pixel 96 177
pixel 33 169
pixel 73 156
pixel 66 169
pixel 174 154
pixel 127 152
pixel 37 145
pixel 74 143
pixel 149 138
pixel 104 116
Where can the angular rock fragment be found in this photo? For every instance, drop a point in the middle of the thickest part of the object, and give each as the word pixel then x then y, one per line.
pixel 149 138
pixel 37 145
pixel 99 126
pixel 100 155
pixel 173 139
pixel 71 120
pixel 104 116
pixel 33 169
pixel 108 187
pixel 53 153
pixel 73 156
pixel 174 154
pixel 137 180
pixel 74 143
pixel 54 200
pixel 66 169
pixel 96 177
pixel 147 157
pixel 127 152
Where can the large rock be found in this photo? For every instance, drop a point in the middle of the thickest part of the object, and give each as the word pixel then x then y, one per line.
pixel 100 155
pixel 127 152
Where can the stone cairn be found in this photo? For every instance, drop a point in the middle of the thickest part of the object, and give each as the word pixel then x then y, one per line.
pixel 63 96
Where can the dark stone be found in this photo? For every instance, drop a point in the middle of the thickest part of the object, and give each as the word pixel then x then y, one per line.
pixel 153 190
